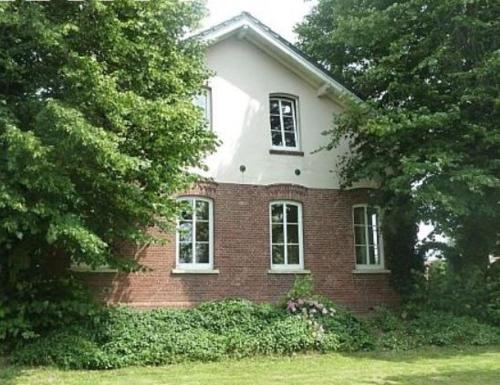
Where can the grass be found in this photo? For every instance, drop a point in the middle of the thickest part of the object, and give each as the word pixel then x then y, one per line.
pixel 436 366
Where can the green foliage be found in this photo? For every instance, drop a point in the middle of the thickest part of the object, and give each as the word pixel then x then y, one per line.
pixel 475 293
pixel 428 132
pixel 97 127
pixel 120 337
pixel 303 288
pixel 334 327
pixel 66 349
pixel 403 332
pixel 233 328
pixel 38 306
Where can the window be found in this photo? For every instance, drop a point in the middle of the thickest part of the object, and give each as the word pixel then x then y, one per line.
pixel 204 101
pixel 195 234
pixel 286 235
pixel 367 237
pixel 283 117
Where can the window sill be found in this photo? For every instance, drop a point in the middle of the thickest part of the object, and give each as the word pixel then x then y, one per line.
pixel 371 271
pixel 287 152
pixel 302 271
pixel 184 271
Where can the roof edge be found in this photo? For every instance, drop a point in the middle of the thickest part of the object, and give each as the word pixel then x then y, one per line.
pixel 228 27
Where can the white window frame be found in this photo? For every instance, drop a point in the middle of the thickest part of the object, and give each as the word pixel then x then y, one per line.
pixel 207 91
pixel 194 266
pixel 380 241
pixel 294 101
pixel 286 266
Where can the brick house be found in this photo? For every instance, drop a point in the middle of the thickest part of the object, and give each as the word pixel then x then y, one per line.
pixel 272 208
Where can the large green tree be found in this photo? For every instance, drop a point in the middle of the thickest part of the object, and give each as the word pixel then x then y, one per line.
pixel 97 126
pixel 428 132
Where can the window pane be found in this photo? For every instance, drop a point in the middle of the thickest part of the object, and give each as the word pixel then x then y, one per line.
pixel 359 215
pixel 292 213
pixel 185 252
pixel 275 122
pixel 292 233
pixel 361 257
pixel 286 107
pixel 289 139
pixel 185 232
pixel 201 210
pixel 186 210
pixel 288 123
pixel 201 101
pixel 276 138
pixel 359 235
pixel 202 253
pixel 278 254
pixel 278 236
pixel 202 233
pixel 293 254
pixel 374 258
pixel 372 217
pixel 372 235
pixel 277 213
pixel 274 106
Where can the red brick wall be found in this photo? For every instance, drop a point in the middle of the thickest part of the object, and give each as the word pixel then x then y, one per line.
pixel 242 255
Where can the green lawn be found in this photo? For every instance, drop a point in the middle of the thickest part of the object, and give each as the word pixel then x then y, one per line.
pixel 427 366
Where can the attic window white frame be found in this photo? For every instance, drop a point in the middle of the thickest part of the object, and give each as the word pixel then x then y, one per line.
pixel 204 101
pixel 294 101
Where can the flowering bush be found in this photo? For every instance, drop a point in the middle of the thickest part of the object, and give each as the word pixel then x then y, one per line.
pixel 311 310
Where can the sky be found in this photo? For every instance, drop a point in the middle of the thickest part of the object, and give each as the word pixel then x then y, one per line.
pixel 279 15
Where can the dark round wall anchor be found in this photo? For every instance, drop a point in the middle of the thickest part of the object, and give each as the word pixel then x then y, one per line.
pixel 297 172
pixel 243 168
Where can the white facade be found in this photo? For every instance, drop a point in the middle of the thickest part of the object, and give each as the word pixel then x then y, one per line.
pixel 246 74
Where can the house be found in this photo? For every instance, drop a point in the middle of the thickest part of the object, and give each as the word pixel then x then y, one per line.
pixel 271 207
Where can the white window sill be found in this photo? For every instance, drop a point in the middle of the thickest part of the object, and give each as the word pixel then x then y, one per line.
pixel 193 271
pixel 286 151
pixel 291 271
pixel 360 270
pixel 88 269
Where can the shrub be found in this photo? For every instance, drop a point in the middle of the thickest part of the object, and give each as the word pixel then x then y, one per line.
pixel 35 307
pixel 121 336
pixel 72 348
pixel 334 328
pixel 475 293
pixel 118 337
pixel 438 328
pixel 398 332
pixel 303 287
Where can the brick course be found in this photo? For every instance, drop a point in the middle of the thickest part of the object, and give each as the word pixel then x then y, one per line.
pixel 242 254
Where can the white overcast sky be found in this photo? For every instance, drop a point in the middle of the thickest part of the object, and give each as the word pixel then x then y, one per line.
pixel 279 15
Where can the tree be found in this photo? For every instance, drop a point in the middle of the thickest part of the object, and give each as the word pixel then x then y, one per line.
pixel 428 132
pixel 97 126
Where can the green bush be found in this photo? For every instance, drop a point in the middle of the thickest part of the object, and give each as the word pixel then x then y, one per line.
pixel 35 307
pixel 121 336
pixel 475 293
pixel 402 331
pixel 72 348
pixel 335 328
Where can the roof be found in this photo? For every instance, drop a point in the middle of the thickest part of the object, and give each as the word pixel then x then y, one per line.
pixel 246 26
